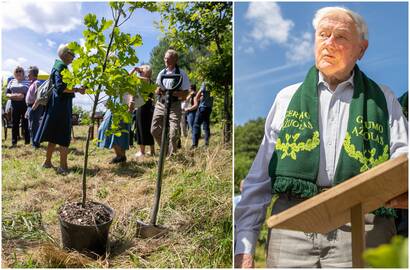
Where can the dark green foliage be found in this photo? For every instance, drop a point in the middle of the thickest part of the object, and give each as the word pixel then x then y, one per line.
pixel 186 59
pixel 83 115
pixel 206 27
pixel 247 141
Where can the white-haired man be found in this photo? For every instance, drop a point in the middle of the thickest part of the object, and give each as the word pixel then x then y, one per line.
pixel 171 60
pixel 336 109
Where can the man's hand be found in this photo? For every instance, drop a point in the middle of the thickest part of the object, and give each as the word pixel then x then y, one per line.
pixel 401 201
pixel 159 91
pixel 244 261
pixel 81 90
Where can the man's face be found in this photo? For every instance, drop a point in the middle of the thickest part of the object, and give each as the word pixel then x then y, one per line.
pixel 338 45
pixel 170 60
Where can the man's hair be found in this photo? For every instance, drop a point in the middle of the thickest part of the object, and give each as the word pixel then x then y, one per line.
pixel 33 70
pixel 360 23
pixel 62 49
pixel 173 53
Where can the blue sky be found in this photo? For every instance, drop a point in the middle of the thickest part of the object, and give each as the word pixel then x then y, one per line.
pixel 33 30
pixel 274 49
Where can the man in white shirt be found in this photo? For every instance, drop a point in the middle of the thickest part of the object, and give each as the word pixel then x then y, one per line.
pixel 170 59
pixel 310 132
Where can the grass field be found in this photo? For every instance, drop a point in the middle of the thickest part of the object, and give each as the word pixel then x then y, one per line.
pixel 195 205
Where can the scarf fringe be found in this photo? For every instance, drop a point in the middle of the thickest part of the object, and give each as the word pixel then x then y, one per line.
pixel 295 186
pixel 305 189
pixel 385 212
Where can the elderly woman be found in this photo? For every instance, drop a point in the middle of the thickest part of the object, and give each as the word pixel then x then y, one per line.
pixel 16 91
pixel 56 125
pixel 144 115
pixel 33 115
pixel 119 143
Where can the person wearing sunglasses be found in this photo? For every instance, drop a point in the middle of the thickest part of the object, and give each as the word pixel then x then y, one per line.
pixel 16 91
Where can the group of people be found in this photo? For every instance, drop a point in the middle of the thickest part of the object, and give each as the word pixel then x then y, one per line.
pixel 187 106
pixel 53 122
pixel 20 92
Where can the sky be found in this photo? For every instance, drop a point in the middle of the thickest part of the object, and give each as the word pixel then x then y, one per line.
pixel 274 48
pixel 32 31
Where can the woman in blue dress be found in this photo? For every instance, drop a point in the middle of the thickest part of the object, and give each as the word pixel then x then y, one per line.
pixel 56 125
pixel 119 143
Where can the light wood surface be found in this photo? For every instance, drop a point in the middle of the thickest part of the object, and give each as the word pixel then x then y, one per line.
pixel 331 209
pixel 358 240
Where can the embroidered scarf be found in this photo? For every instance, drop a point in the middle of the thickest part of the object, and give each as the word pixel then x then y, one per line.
pixel 295 162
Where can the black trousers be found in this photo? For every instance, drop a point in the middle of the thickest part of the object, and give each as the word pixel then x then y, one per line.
pixel 18 110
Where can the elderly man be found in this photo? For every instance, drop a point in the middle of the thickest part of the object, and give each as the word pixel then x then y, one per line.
pixel 344 123
pixel 170 59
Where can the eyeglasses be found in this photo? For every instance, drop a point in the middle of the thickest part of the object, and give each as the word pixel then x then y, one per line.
pixel 71 54
pixel 19 71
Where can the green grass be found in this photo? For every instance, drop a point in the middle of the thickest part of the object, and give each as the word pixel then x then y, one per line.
pixel 195 206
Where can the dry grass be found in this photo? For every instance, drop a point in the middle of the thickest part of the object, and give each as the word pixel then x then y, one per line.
pixel 195 206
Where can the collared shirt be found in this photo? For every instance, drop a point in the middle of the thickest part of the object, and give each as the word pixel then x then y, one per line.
pixel 168 82
pixel 31 93
pixel 333 119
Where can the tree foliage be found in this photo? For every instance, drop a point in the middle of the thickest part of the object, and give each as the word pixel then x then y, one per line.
pixel 100 66
pixel 207 28
pixel 247 141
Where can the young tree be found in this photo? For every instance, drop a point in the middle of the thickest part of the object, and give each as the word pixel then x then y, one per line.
pixel 101 66
pixel 205 25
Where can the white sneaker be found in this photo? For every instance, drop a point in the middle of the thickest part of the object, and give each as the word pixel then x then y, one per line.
pixel 139 154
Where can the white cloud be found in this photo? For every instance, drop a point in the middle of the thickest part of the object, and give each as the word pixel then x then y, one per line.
pixel 269 26
pixel 265 72
pixel 300 50
pixel 41 17
pixel 50 43
pixel 249 50
pixel 268 23
pixel 10 63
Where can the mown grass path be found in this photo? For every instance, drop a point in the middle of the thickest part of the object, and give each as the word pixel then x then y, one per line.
pixel 195 205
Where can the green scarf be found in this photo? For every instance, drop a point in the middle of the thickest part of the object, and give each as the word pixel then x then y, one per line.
pixel 404 102
pixel 295 162
pixel 59 65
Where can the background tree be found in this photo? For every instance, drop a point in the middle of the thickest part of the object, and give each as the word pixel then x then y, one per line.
pixel 205 27
pixel 102 67
pixel 247 141
pixel 156 61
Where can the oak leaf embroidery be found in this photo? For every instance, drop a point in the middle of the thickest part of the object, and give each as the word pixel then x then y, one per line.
pixel 291 147
pixel 360 156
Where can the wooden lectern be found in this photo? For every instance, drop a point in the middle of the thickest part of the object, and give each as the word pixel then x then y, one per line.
pixel 348 202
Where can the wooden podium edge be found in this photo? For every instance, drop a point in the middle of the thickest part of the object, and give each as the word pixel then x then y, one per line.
pixel 337 190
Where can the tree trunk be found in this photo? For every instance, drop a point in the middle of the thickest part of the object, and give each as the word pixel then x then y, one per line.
pixel 227 114
pixel 96 99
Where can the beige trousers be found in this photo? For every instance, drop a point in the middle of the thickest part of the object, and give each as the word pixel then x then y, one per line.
pixel 293 249
pixel 174 120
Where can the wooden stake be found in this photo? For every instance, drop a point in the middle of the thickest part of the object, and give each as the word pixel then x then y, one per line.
pixel 358 240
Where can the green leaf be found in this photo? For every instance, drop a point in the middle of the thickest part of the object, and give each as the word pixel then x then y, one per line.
pixel 393 255
pixel 105 24
pixel 90 20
